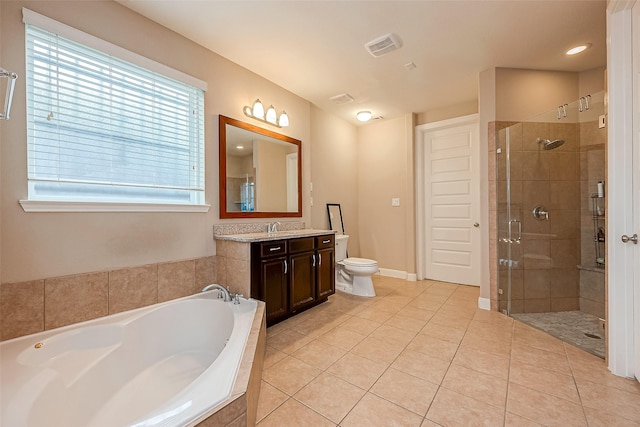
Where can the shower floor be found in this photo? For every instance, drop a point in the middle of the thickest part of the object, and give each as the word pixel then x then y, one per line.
pixel 569 326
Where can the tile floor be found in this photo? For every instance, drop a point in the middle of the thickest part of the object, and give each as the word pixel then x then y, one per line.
pixel 422 354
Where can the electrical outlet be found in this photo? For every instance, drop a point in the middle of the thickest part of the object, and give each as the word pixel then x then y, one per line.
pixel 395 201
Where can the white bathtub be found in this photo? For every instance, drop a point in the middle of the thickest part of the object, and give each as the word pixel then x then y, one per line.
pixel 163 365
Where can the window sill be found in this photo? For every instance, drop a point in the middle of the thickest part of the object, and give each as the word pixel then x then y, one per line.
pixel 59 206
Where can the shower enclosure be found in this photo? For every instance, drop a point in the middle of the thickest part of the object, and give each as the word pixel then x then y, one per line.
pixel 551 222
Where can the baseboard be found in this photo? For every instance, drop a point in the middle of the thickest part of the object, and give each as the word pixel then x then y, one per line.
pixel 398 274
pixel 484 303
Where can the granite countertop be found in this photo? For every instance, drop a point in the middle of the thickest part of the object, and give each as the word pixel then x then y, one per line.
pixel 278 235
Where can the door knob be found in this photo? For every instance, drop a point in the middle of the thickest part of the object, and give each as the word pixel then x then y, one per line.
pixel 476 225
pixel 627 239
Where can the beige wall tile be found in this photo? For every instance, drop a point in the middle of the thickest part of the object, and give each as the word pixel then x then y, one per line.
pixel 175 280
pixel 21 309
pixel 131 288
pixel 239 276
pixel 205 272
pixel 74 299
pixel 565 304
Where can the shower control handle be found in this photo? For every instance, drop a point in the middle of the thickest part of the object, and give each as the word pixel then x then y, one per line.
pixel 540 213
pixel 627 239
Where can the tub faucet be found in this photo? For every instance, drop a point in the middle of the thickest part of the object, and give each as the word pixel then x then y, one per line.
pixel 273 227
pixel 223 291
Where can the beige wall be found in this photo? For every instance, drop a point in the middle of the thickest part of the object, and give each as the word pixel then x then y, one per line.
pixel 42 245
pixel 271 175
pixel 334 172
pixel 449 112
pixel 385 171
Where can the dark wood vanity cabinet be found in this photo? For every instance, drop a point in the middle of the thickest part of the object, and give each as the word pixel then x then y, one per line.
pixel 292 275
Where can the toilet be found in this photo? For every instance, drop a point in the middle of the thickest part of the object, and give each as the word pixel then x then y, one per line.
pixel 353 275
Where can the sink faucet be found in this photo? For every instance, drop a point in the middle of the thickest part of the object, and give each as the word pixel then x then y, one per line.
pixel 273 227
pixel 223 291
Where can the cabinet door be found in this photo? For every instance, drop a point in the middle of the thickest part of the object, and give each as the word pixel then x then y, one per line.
pixel 326 273
pixel 302 280
pixel 274 290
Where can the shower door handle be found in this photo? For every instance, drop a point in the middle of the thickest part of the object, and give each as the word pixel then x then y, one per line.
pixel 516 240
pixel 627 239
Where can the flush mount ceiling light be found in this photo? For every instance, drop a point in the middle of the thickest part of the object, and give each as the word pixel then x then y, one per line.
pixel 364 116
pixel 578 49
pixel 256 111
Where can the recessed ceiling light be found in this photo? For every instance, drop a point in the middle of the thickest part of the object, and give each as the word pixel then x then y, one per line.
pixel 364 116
pixel 239 147
pixel 576 50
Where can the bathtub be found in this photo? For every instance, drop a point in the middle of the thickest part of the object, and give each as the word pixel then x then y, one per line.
pixel 170 364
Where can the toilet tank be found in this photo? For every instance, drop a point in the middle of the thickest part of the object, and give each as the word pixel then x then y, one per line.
pixel 341 246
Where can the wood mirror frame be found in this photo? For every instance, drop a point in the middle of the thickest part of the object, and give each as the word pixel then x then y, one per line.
pixel 222 160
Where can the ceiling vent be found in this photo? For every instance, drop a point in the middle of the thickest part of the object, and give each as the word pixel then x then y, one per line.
pixel 383 45
pixel 343 98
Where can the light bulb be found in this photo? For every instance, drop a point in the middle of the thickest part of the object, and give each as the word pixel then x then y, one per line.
pixel 271 115
pixel 258 109
pixel 283 121
pixel 364 116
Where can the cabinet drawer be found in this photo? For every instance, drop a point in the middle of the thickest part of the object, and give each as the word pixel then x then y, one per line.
pixel 303 244
pixel 269 249
pixel 323 242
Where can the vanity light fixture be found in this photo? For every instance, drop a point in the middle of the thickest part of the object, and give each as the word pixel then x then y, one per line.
pixel 256 111
pixel 576 50
pixel 364 116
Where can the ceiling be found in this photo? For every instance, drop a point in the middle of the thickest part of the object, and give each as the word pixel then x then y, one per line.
pixel 315 49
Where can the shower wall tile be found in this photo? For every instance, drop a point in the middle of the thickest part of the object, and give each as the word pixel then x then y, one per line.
pixel 535 229
pixel 563 166
pixel 563 194
pixel 175 280
pixel 536 193
pixel 565 304
pixel 564 282
pixel 21 309
pixel 533 166
pixel 592 307
pixel 536 284
pixel 537 305
pixel 536 254
pixel 564 253
pixel 569 132
pixel 592 285
pixel 517 306
pixel 74 299
pixel 531 131
pixel 131 288
pixel 563 224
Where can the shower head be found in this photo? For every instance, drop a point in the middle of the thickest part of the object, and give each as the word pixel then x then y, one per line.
pixel 550 145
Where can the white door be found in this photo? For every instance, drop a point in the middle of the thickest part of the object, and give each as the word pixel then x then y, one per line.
pixel 634 200
pixel 451 186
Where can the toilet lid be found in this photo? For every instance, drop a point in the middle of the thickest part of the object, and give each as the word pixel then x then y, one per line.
pixel 359 261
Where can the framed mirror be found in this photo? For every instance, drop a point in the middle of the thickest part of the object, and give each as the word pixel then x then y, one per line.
pixel 335 217
pixel 260 172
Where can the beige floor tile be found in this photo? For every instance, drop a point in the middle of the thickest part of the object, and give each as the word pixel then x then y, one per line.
pixel 401 321
pixel 405 390
pixel 483 387
pixel 429 423
pixel 330 396
pixel 610 400
pixel 542 358
pixel 270 398
pixel 319 354
pixel 294 414
pixel 289 341
pixel 497 346
pixel 290 375
pixel 512 420
pixel 378 350
pixel 421 365
pixel 454 409
pixel 358 370
pixel 543 408
pixel 450 320
pixel 597 372
pixel 433 347
pixel 374 314
pixel 342 338
pixel 598 418
pixel 392 335
pixel 442 332
pixel 544 380
pixel 375 411
pixel 361 326
pixel 272 356
pixel 417 313
pixel 486 363
pixel 526 335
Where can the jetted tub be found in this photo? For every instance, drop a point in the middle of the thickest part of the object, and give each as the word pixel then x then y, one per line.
pixel 168 364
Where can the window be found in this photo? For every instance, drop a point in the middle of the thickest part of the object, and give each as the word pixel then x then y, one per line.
pixel 102 129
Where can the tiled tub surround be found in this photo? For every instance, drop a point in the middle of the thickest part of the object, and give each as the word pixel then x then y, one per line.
pixel 230 371
pixel 38 305
pixel 422 354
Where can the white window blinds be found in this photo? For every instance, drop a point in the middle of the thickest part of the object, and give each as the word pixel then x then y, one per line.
pixel 103 129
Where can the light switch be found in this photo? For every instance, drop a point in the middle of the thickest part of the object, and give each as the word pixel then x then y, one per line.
pixel 395 201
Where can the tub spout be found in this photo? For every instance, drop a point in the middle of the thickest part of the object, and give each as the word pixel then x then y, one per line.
pixel 223 291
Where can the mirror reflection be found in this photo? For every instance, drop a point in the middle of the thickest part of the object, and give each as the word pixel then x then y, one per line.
pixel 260 172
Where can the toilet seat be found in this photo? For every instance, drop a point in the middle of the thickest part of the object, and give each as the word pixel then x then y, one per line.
pixel 359 262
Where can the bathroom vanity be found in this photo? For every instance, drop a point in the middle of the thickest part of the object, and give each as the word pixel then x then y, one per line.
pixel 291 271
